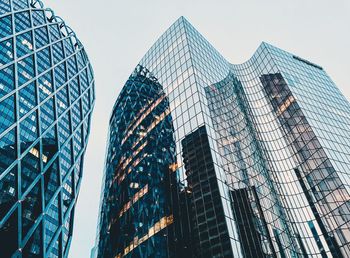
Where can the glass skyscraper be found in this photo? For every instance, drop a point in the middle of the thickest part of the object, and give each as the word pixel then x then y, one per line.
pixel 210 159
pixel 46 99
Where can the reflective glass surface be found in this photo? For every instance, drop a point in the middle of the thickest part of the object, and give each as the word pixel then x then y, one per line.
pixel 248 160
pixel 43 129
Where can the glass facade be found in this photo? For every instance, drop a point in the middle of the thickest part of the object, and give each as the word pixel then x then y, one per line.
pixel 210 159
pixel 46 99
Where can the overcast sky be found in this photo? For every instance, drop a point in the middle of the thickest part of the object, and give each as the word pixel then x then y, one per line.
pixel 116 34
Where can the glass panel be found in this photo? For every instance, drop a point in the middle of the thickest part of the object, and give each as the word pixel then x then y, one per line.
pixel 52 182
pixel 55 32
pixel 25 70
pixel 22 20
pixel 41 37
pixel 30 167
pixel 6 52
pixel 62 100
pixel 52 220
pixel 45 85
pixel 9 235
pixel 58 54
pixel 38 17
pixel 28 99
pixel 8 150
pixel 33 248
pixel 43 60
pixel 5 7
pixel 31 208
pixel 67 192
pixel 8 191
pixel 5 25
pixel 7 111
pixel 7 80
pixel 29 130
pixel 47 114
pixel 49 145
pixel 20 4
pixel 60 75
pixel 24 43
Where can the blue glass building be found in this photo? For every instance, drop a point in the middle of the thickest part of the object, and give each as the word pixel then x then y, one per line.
pixel 46 99
pixel 210 159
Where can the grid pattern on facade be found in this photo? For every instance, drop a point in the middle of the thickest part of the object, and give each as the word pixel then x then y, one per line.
pixel 278 174
pixel 312 188
pixel 139 159
pixel 46 99
pixel 208 233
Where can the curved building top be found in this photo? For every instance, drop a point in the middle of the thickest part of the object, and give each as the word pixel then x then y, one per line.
pixel 226 160
pixel 46 100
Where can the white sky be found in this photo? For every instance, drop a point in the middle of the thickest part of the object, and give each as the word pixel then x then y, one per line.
pixel 116 34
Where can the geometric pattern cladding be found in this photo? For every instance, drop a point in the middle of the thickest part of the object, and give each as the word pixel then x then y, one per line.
pixel 46 99
pixel 149 190
pixel 210 159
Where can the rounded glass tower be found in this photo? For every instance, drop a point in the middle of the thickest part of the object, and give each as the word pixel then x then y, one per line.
pixel 46 100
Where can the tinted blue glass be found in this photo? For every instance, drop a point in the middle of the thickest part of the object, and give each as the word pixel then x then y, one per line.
pixel 62 100
pixel 47 114
pixel 55 33
pixel 50 145
pixel 25 70
pixel 6 51
pixel 9 184
pixel 81 60
pixel 60 75
pixel 43 60
pixel 74 89
pixel 66 158
pixel 68 47
pixel 72 67
pixel 22 21
pixel 78 144
pixel 5 7
pixel 45 83
pixel 76 114
pixel 90 74
pixel 7 111
pixel 38 18
pixel 5 26
pixel 24 43
pixel 64 128
pixel 30 223
pixel 28 99
pixel 41 37
pixel 58 53
pixel 51 185
pixel 29 129
pixel 51 219
pixel 8 151
pixel 20 4
pixel 7 80
pixel 86 103
pixel 84 80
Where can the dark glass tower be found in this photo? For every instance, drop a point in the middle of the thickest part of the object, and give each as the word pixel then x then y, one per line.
pixel 46 99
pixel 210 159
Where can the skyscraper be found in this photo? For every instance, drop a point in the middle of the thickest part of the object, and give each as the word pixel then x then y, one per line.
pixel 210 159
pixel 46 99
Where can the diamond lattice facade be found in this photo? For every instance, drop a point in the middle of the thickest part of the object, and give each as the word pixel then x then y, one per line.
pixel 210 159
pixel 46 99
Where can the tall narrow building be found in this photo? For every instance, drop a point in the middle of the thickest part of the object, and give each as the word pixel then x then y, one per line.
pixel 46 99
pixel 210 159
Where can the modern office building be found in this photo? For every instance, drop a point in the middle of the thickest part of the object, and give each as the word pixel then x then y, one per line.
pixel 46 99
pixel 210 159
